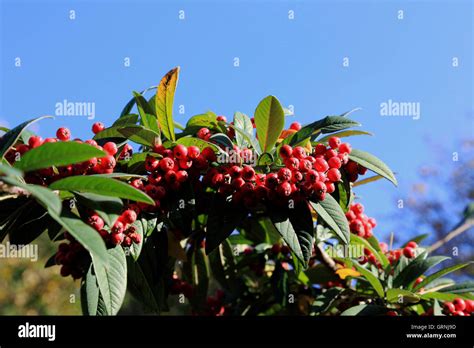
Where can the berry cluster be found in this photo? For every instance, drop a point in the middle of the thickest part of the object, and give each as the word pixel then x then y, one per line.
pixel 459 307
pixel 359 223
pixel 71 256
pixel 179 286
pixel 46 176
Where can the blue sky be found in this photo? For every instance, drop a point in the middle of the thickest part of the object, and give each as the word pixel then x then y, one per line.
pixel 298 60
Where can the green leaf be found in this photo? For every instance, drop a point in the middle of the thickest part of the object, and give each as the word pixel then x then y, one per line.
pixel 57 154
pixel 296 227
pixel 47 198
pixel 195 123
pixel 164 103
pixel 126 120
pixel 108 208
pixel 265 159
pixel 102 186
pixel 372 163
pixel 112 279
pixel 417 239
pixel 269 121
pixel 222 139
pixel 201 144
pixel 126 110
pixel 37 221
pixel 460 288
pixel 372 279
pixel 222 265
pixel 200 275
pixel 6 169
pixel 401 296
pixel 90 293
pixel 343 134
pixel 84 234
pixel 444 296
pixel 325 301
pixel 365 309
pixel 243 122
pixel 441 273
pixel 320 274
pixel 136 248
pixel 223 219
pixel 367 180
pixel 136 134
pixel 329 124
pixel 416 268
pixel 331 213
pixel 249 137
pixel 10 138
pixel 373 246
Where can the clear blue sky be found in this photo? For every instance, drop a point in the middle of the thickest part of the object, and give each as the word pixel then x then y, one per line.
pixel 300 61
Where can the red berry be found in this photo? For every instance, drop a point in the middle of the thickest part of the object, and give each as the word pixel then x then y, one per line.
pixel 357 208
pixel 181 175
pixel 299 152
pixel 286 151
pixel 110 148
pixel 319 187
pixel 459 304
pixel 335 162
pixel 116 238
pixel 334 142
pixel 203 133
pixel 193 152
pixel 392 314
pixel 334 175
pixel 295 126
pixel 459 314
pixel 107 162
pixel 409 252
pixel 129 216
pixel 292 163
pixel 63 134
pixel 345 148
pixel 221 118
pixel 50 140
pixel 235 172
pixel 330 187
pixel 97 127
pixel 362 170
pixel 136 238
pixel 321 165
pixel 330 154
pixel 412 244
pixel 209 154
pixel 284 174
pixel 35 141
pixel 449 307
pixel 117 228
pixel 96 222
pixel 180 151
pixel 284 189
pixel 320 149
pixel 271 180
pixel 418 281
pixel 166 164
pixel 248 173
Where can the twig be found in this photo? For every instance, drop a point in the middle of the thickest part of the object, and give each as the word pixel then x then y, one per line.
pixel 464 226
pixel 324 258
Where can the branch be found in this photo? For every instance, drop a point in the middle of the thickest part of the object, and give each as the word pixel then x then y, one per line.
pixel 325 259
pixel 464 226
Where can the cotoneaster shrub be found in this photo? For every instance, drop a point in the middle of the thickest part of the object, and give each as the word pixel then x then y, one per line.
pixel 238 217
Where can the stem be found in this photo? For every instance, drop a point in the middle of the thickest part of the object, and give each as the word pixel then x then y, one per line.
pixel 454 233
pixel 324 258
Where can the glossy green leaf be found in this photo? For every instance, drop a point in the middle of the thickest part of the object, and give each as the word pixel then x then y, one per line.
pixel 441 273
pixel 401 296
pixel 372 279
pixel 10 138
pixel 331 213
pixel 343 134
pixel 57 154
pixel 416 268
pixel 244 123
pixel 269 120
pixel 102 186
pixel 164 103
pixel 372 163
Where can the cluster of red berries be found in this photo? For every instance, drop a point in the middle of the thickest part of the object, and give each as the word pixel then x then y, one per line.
pixel 48 175
pixel 169 170
pixel 459 307
pixel 360 223
pixel 179 286
pixel 70 256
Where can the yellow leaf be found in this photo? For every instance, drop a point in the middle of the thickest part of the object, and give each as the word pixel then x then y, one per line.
pixel 164 103
pixel 343 273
